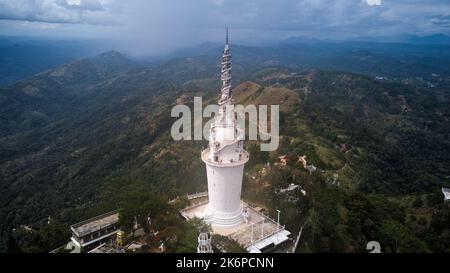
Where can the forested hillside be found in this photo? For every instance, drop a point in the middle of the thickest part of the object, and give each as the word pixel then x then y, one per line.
pixel 94 135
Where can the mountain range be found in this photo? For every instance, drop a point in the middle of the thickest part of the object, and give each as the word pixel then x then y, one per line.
pixel 410 55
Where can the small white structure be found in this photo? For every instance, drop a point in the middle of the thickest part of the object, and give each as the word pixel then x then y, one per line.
pixel 311 168
pixel 134 246
pixel 162 247
pixel 135 224
pixel 302 160
pixel 204 243
pixel 446 192
pixel 245 214
pixel 283 160
pixel 291 187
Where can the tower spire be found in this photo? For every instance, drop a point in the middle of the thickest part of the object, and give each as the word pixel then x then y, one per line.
pixel 226 39
pixel 225 74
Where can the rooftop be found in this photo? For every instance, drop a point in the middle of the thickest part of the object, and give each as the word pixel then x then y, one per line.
pixel 95 223
pixel 104 248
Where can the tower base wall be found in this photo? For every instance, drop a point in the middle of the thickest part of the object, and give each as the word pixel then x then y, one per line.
pixel 224 191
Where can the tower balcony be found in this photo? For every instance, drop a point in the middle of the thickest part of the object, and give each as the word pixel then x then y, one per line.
pixel 243 158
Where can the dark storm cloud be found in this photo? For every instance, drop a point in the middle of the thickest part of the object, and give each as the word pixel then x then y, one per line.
pixel 164 24
pixel 338 18
pixel 56 11
pixel 441 21
pixel 349 15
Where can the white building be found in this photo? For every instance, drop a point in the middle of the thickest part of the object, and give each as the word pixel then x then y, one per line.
pixel 204 243
pixel 95 231
pixel 446 193
pixel 225 158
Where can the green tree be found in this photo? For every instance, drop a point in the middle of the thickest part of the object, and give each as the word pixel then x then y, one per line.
pixel 12 246
pixel 399 238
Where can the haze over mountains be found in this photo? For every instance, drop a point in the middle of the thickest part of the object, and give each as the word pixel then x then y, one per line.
pixel 23 57
pixel 75 136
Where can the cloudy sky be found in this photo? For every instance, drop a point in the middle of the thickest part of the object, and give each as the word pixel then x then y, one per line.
pixel 173 23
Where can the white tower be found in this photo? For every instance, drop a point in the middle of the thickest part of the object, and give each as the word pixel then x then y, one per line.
pixel 225 158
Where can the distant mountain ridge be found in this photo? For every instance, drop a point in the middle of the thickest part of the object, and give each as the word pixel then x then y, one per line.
pixel 388 59
pixel 92 69
pixel 21 58
pixel 435 39
pixel 411 55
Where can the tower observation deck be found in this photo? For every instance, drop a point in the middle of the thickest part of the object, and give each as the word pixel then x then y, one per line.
pixel 225 157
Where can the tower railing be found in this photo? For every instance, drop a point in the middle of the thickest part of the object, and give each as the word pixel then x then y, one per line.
pixel 266 217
